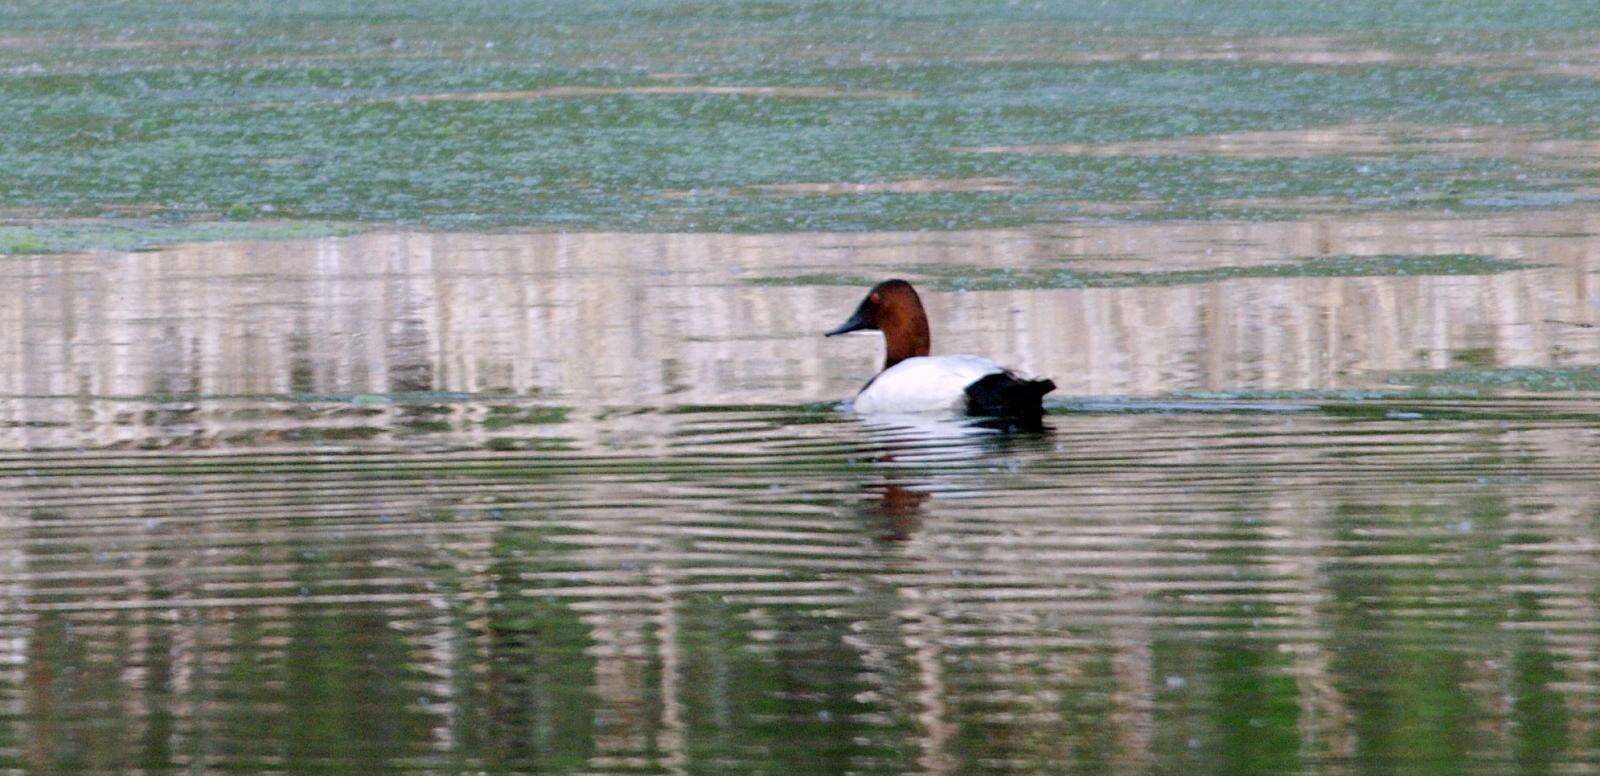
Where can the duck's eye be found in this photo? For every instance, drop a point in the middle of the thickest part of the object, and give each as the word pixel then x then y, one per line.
pixel 874 297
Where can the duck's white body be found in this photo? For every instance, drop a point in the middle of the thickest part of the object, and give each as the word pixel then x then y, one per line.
pixel 925 384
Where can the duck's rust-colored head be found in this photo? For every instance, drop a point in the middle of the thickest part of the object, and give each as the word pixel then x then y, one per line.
pixel 893 308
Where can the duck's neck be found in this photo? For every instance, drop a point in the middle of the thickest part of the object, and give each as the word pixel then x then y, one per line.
pixel 906 338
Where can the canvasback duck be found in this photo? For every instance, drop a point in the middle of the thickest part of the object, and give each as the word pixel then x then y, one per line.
pixel 914 382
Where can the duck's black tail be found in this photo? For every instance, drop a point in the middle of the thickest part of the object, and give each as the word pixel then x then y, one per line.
pixel 1004 395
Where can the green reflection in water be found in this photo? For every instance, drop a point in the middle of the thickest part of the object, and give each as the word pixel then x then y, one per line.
pixel 880 602
pixel 524 670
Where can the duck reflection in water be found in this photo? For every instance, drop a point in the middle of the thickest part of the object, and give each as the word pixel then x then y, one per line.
pixel 896 514
pixel 915 452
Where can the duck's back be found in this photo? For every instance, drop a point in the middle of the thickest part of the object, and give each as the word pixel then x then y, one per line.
pixel 925 384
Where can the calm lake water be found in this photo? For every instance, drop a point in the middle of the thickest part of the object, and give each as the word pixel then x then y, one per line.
pixel 1318 494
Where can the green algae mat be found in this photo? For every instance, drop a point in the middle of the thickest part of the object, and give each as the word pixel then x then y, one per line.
pixel 783 116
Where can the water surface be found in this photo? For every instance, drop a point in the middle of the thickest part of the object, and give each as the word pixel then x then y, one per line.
pixel 583 502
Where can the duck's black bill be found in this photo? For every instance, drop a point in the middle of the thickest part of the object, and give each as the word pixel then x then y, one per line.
pixel 857 322
pixel 860 320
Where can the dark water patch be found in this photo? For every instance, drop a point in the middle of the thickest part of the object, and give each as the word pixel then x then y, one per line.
pixel 1166 406
pixel 502 417
pixel 1529 401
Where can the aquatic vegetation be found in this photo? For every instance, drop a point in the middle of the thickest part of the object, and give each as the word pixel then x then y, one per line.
pixel 1532 379
pixel 673 116
pixel 958 278
pixel 131 235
